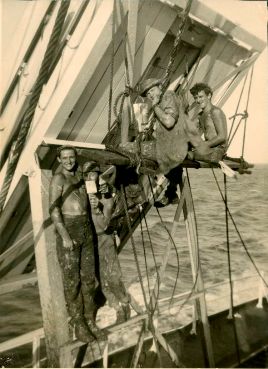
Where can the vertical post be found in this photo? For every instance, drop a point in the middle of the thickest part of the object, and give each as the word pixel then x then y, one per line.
pixel 50 284
pixel 133 7
pixel 190 224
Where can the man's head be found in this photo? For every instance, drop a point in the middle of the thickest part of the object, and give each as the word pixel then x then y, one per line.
pixel 202 94
pixel 66 155
pixel 151 87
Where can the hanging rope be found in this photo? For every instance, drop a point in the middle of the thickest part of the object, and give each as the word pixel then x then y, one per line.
pixel 236 110
pixel 231 312
pixel 244 116
pixel 36 92
pixel 245 125
pixel 111 70
pixel 238 233
pixel 183 16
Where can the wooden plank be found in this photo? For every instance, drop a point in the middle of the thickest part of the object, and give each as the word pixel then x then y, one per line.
pixel 214 49
pixel 212 18
pixel 96 85
pixel 21 340
pixel 9 214
pixel 190 224
pixel 154 37
pixel 13 284
pixel 54 312
pixel 69 86
pixel 133 7
pixel 138 347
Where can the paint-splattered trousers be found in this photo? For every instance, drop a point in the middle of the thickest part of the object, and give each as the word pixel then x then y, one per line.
pixel 110 271
pixel 78 266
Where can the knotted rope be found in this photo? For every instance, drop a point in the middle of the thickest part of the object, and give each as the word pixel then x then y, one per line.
pixel 19 143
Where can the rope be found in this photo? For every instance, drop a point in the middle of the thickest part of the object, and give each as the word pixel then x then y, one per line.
pixel 230 269
pixel 111 71
pixel 134 248
pixel 36 92
pixel 171 240
pixel 31 48
pixel 184 16
pixel 238 233
pixel 155 263
pixel 245 125
pixel 236 110
pixel 144 253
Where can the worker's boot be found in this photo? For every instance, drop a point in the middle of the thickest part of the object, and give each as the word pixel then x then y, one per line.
pixel 99 334
pixel 81 330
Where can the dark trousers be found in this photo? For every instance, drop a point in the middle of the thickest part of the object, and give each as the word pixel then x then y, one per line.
pixel 174 176
pixel 78 266
pixel 110 272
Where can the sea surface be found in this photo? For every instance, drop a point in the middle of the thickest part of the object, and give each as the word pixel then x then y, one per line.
pixel 247 198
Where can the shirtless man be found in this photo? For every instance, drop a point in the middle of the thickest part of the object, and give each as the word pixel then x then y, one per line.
pixel 212 124
pixel 68 204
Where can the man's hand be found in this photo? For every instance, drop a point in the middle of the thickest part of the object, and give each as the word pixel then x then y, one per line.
pixel 94 202
pixel 68 244
pixel 155 100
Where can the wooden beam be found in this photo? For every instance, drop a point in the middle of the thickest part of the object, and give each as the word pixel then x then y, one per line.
pixel 69 86
pixel 190 224
pixel 54 312
pixel 215 20
pixel 150 34
pixel 133 8
pixel 21 340
pixel 16 283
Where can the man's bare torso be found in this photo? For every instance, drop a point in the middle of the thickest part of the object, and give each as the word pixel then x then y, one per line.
pixel 69 193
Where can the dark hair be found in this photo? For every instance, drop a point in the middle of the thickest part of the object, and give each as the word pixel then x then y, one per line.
pixel 201 87
pixel 65 147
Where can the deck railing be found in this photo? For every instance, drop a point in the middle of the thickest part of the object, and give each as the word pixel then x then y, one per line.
pixel 35 337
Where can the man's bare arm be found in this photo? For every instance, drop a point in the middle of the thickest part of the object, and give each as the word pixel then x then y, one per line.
pixel 165 117
pixel 220 124
pixel 55 200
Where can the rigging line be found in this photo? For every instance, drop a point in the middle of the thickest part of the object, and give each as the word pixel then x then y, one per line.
pixel 197 254
pixel 134 248
pixel 153 254
pixel 144 252
pixel 236 110
pixel 248 96
pixel 152 309
pixel 19 143
pixel 238 125
pixel 183 16
pixel 111 70
pixel 239 235
pixel 156 296
pixel 149 313
pixel 26 57
pixel 172 242
pixel 230 268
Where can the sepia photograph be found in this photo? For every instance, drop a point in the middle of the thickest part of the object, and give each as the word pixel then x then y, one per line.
pixel 133 184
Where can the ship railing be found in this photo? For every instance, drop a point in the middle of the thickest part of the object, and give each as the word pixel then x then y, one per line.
pixel 37 335
pixel 33 337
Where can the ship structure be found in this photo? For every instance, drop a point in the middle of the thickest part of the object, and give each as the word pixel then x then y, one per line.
pixel 76 83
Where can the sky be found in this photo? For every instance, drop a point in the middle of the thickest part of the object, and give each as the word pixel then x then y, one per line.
pixel 250 14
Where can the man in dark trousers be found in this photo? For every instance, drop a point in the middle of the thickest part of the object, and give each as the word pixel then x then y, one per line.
pixel 102 203
pixel 69 210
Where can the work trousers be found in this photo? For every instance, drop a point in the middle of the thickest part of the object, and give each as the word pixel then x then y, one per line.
pixel 78 266
pixel 110 272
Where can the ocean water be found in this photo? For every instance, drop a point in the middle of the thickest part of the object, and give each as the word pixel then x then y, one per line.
pixel 20 312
